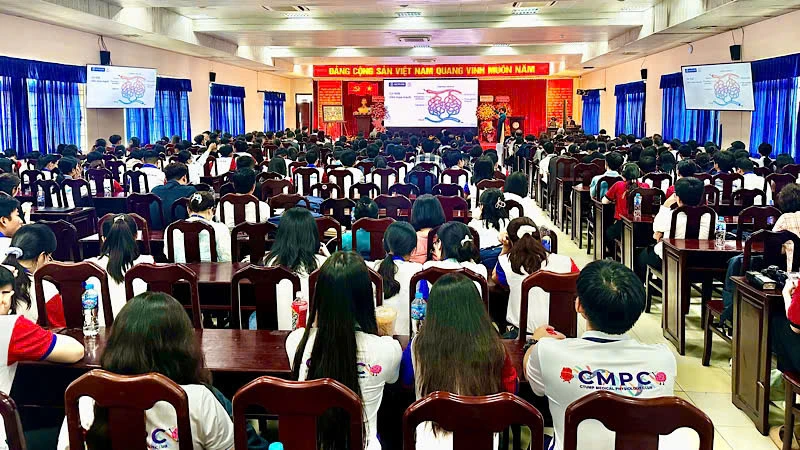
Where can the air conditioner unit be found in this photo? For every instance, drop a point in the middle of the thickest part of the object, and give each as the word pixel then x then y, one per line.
pixel 414 38
pixel 424 60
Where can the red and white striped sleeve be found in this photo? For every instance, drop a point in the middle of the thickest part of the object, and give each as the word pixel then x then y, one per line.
pixel 29 342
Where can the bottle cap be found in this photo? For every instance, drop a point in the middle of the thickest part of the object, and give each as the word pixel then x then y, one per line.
pixel 89 285
pixel 275 446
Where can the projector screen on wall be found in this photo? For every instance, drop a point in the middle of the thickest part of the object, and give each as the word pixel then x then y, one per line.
pixel 719 87
pixel 445 103
pixel 120 87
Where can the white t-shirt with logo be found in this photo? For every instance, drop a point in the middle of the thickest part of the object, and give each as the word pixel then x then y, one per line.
pixel 378 364
pixel 566 370
pixel 405 270
pixel 117 290
pixel 480 269
pixel 212 427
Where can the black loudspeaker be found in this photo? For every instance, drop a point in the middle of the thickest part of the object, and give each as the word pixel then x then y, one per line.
pixel 644 74
pixel 105 57
pixel 736 52
pixel 580 92
pixel 212 76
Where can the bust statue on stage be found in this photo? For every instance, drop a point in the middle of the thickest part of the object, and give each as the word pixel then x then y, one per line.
pixel 364 109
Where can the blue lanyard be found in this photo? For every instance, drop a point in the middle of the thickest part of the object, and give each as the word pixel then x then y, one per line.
pixel 394 258
pixel 600 340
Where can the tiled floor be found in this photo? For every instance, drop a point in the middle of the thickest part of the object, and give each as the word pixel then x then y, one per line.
pixel 708 388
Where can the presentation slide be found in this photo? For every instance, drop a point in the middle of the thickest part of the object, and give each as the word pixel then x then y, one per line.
pixel 719 87
pixel 120 87
pixel 431 103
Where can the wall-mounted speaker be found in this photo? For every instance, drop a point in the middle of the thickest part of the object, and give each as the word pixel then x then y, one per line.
pixel 736 52
pixel 644 74
pixel 212 76
pixel 105 57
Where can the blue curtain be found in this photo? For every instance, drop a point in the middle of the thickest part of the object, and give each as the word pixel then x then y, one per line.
pixel 58 113
pixel 273 110
pixel 169 117
pixel 591 112
pixel 679 123
pixel 227 108
pixel 774 119
pixel 630 108
pixel 15 127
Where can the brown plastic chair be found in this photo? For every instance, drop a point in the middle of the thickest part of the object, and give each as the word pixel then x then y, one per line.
pixel 302 179
pixel 400 167
pixel 191 240
pixel 694 215
pixel 563 291
pixel 327 190
pixel 163 278
pixel 712 195
pixel 271 188
pixel 448 190
pixel 140 204
pixel 340 209
pixel 638 423
pixel 126 397
pixel 239 203
pixel 325 223
pixel 777 181
pixel 369 190
pixel 397 207
pixel 454 176
pixel 117 169
pixel 488 184
pixel 67 248
pixel 286 201
pixel 51 189
pixel 747 197
pixel 298 405
pixel 135 181
pixel 182 202
pixel 649 196
pixel 512 204
pixel 409 191
pixel 656 179
pixel 68 279
pixel 13 426
pixel 473 420
pixel 264 281
pixel 375 277
pixel 793 169
pixel 384 176
pixel 727 180
pixel 141 225
pixel 76 186
pixel 28 178
pixel 432 275
pixel 365 166
pixel 97 177
pixel 338 176
pixel 757 218
pixel 376 229
pixel 257 240
pixel 476 238
pixel 455 208
pixel 773 245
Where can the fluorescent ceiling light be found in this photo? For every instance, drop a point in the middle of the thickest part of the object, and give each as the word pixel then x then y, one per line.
pixel 409 13
pixel 297 15
pixel 501 45
pixel 199 16
pixel 524 11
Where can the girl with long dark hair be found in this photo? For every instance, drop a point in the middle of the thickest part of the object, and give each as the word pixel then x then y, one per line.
pixel 32 247
pixel 201 209
pixel 426 214
pixel 343 344
pixel 454 248
pixel 397 269
pixel 492 218
pixel 618 194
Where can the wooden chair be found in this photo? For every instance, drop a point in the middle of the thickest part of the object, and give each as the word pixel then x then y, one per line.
pixel 126 397
pixel 117 169
pixel 448 190
pixel 298 405
pixel 762 171
pixel 422 179
pixel 135 181
pixel 652 199
pixel 488 184
pixel 704 177
pixel 498 175
pixel 514 205
pixel 757 218
pixel 258 240
pixel 28 178
pixel 294 165
pixel 586 171
pixel 473 420
pixel 304 178
pixel 589 218
pixel 264 281
pixel 656 179
pixel 400 167
pixel 376 229
pixel 271 188
pixel 164 278
pixel 326 191
pixel 428 167
pixel 476 238
pixel 227 188
pixel 432 275
pixel 264 176
pixel 239 203
pixel 793 169
pixel 141 226
pixel 727 180
pixel 455 208
pixel 339 176
pixel 52 193
pixel 177 205
pixel 67 248
pixel 563 291
pixel 791 381
pixel 369 190
pixel 325 223
pixel 777 181
pixel 140 204
pixel 407 190
pixel 365 166
pixel 97 177
pixel 638 423
pixel 383 178
pixel 76 187
pixel 747 197
pixel 191 240
pixel 375 277
pixel 712 195
pixel 202 187
pixel 340 209
pixel 455 176
pixel 69 279
pixel 13 426
pixel 286 201
pixel 397 207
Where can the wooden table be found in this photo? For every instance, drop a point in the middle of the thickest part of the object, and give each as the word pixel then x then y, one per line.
pixel 603 218
pixel 563 189
pixel 636 234
pixel 110 203
pixel 752 354
pixel 580 198
pixel 84 219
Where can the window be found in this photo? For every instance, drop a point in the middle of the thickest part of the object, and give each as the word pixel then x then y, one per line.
pixel 64 119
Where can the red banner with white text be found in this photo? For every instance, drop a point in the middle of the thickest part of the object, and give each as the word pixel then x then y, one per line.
pixel 513 70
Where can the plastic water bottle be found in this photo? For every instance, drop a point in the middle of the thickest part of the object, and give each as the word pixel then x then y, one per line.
pixel 546 241
pixel 719 234
pixel 418 307
pixel 90 309
pixel 637 207
pixel 275 446
pixel 107 188
pixel 39 198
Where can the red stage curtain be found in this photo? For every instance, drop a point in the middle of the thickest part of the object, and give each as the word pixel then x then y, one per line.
pixel 351 104
pixel 528 98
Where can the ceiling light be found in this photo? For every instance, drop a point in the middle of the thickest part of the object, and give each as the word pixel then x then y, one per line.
pixel 297 15
pixel 408 13
pixel 501 45
pixel 524 11
pixel 421 46
pixel 199 16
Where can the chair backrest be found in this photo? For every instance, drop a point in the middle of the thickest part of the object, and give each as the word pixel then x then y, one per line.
pixel 637 423
pixel 609 181
pixel 75 188
pixel 397 207
pixel 286 201
pixel 210 167
pixel 459 414
pixel 777 181
pixel 793 169
pixel 68 279
pixel 52 191
pixel 375 277
pixel 756 218
pixel 257 239
pixel 264 281
pixel 117 169
pixel 239 203
pixel 140 204
pixel 227 188
pixel 67 248
pixel 202 187
pixel 400 167
pixel 264 176
pixel 141 226
pixel 271 188
pixel 365 166
pixel 340 209
pixel 649 197
pixel 432 275
pixel 762 171
pixel 455 176
pixel 408 190
pixel 422 179
pixel 303 179
pixel 338 176
pixel 376 229
pixel 773 242
pixel 29 177
pixel 448 190
pixel 656 179
pixel 191 240
pixel 563 289
pixel 326 191
pixel 565 166
pixel 13 426
pixel 181 203
pixel 384 176
pixel 711 194
pixel 325 223
pixel 455 208
pixel 488 184
pixel 126 397
pixel 727 180
pixel 747 197
pixel 370 190
pixel 298 405
pixel 136 181
pixel 586 171
pixel 513 204
pixel 98 178
pixel 164 278
pixel 694 214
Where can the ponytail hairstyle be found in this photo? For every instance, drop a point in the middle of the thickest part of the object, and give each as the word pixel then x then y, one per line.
pixel 28 244
pixel 631 173
pixel 399 240
pixel 493 209
pixel 457 242
pixel 527 251
pixel 201 201
pixel 119 246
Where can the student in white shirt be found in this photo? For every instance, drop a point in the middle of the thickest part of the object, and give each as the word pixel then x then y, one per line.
pixel 744 167
pixel 224 160
pixel 195 165
pixel 399 241
pixel 611 299
pixel 278 165
pixel 516 189
pixel 244 182
pixel 10 221
pixel 492 218
pixel 455 249
pixel 296 248
pixel 348 159
pixel 119 253
pixel 167 346
pixel 344 345
pixel 155 176
pixel 764 150
pixel 201 208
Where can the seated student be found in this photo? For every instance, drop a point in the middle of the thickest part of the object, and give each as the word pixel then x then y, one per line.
pixel 455 249
pixel 120 252
pixel 427 155
pixel 194 165
pixel 153 334
pixel 704 163
pixel 744 167
pixel 522 255
pixel 10 219
pixel 345 346
pixel 426 214
pixel 372 152
pixel 458 350
pixel 764 150
pixel 70 169
pixel 725 162
pixel 483 169
pixel 686 168
pixel 365 207
pixel 278 165
pixel 177 186
pixel 135 157
pixel 155 176
pixel 244 182
pixel 224 159
pixel 48 164
pixel 614 161
pixel 201 208
pixel 32 247
pixel 348 162
pixel 489 220
pixel 611 299
pixel 516 189
pixel 618 194
pixel 396 269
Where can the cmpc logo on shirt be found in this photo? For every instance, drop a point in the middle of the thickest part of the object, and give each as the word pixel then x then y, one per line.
pixel 160 436
pixel 620 382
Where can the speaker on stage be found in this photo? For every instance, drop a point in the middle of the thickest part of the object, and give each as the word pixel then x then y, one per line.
pixel 736 52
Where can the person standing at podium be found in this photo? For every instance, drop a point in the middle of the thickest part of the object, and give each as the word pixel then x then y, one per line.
pixel 501 121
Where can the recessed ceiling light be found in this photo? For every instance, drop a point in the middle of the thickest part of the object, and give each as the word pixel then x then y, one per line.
pixel 501 45
pixel 297 15
pixel 524 11
pixel 422 46
pixel 408 13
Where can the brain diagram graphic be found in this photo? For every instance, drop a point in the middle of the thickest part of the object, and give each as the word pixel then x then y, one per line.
pixel 132 89
pixel 445 108
pixel 726 89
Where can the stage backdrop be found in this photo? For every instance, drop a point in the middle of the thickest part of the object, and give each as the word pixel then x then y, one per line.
pixel 527 98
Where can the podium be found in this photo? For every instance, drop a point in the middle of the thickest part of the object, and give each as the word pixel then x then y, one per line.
pixel 516 123
pixel 363 124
